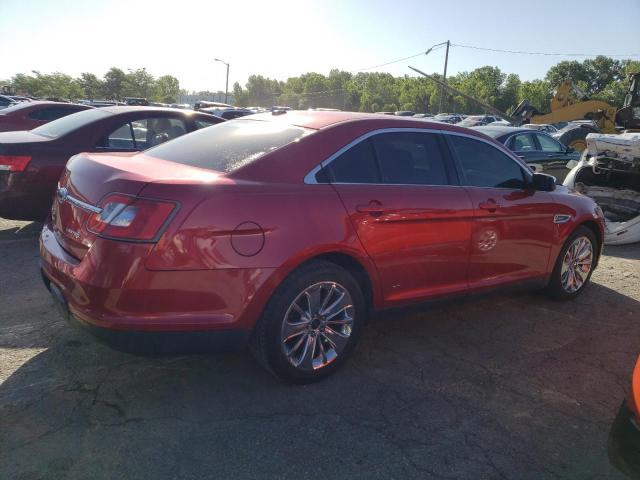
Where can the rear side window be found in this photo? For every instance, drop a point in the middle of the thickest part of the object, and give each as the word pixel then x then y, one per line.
pixel 229 145
pixel 486 166
pixel 410 158
pixel 356 165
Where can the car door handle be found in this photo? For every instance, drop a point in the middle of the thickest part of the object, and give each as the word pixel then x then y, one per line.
pixel 373 208
pixel 489 205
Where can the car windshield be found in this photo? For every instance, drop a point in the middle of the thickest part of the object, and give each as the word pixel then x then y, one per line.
pixel 65 125
pixel 228 146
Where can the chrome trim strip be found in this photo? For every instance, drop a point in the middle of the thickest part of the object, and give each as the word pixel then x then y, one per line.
pixel 65 197
pixel 309 178
pixel 83 205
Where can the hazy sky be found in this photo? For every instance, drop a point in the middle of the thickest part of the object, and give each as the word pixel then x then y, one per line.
pixel 285 38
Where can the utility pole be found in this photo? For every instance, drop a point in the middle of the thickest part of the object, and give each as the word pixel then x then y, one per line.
pixel 444 79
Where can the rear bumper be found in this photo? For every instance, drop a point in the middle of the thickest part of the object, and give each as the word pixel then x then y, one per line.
pixel 624 443
pixel 154 342
pixel 111 293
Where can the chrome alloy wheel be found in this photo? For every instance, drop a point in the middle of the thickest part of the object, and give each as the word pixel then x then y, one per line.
pixel 317 326
pixel 576 264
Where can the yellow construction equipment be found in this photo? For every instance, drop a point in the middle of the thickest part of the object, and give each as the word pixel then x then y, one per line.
pixel 571 104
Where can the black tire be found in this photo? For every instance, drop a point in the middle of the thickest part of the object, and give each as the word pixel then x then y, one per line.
pixel 575 138
pixel 555 288
pixel 266 341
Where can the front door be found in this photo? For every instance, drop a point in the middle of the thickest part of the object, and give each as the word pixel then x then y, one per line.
pixel 513 224
pixel 413 222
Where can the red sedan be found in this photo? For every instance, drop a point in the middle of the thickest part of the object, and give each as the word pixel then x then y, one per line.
pixel 285 229
pixel 30 115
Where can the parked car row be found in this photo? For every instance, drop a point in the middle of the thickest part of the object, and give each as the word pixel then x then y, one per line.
pixel 31 162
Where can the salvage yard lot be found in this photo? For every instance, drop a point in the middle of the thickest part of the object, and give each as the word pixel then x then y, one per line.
pixel 508 386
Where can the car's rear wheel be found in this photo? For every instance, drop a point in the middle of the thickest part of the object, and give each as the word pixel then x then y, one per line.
pixel 311 324
pixel 574 265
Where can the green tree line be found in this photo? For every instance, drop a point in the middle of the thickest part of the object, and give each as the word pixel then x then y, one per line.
pixel 601 78
pixel 114 85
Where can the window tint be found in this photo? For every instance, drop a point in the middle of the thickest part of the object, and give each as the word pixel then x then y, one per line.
pixel 68 124
pixel 522 142
pixel 485 166
pixel 120 138
pixel 356 165
pixel 410 158
pixel 229 145
pixel 548 144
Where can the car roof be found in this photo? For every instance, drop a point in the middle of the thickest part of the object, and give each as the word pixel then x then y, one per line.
pixel 116 109
pixel 318 120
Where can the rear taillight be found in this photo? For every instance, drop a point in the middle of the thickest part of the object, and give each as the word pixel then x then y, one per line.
pixel 130 218
pixel 14 163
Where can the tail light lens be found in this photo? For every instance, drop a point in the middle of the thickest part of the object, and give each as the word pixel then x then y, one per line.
pixel 130 218
pixel 14 163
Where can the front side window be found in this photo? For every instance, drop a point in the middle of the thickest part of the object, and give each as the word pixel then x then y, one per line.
pixel 410 158
pixel 549 145
pixel 229 145
pixel 485 166
pixel 356 165
pixel 522 142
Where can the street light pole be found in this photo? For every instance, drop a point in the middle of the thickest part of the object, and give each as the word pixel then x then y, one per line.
pixel 226 88
pixel 446 61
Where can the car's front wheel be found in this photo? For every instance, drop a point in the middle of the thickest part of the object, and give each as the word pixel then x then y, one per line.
pixel 574 265
pixel 311 324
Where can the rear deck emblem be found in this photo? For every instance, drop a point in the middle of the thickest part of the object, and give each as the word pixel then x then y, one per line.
pixel 62 194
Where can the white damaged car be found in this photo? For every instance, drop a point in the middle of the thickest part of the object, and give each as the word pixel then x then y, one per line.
pixel 609 172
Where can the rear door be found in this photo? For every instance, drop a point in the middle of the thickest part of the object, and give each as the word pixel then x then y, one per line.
pixel 411 217
pixel 513 225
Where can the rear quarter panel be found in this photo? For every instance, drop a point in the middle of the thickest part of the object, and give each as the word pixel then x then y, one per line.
pixel 256 226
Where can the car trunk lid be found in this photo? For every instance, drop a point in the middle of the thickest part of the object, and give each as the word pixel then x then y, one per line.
pixel 88 178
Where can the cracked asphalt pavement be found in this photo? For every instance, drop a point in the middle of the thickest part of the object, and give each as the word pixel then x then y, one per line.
pixel 511 386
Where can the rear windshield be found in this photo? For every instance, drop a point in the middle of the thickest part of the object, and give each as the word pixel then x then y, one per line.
pixel 65 125
pixel 229 145
pixel 14 107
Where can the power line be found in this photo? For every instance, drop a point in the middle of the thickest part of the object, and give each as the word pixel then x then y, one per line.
pixel 395 61
pixel 555 54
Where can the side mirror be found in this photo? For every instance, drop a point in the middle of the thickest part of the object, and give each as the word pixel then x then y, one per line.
pixel 569 150
pixel 543 182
